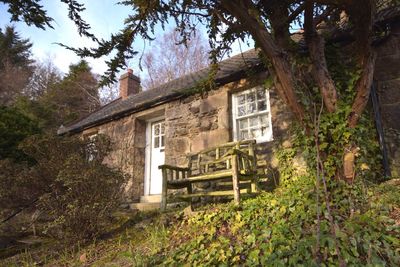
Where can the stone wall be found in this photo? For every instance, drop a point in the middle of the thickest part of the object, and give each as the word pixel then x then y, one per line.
pixel 128 140
pixel 387 77
pixel 199 122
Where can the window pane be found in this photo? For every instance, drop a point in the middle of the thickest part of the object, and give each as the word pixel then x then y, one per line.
pixel 241 99
pixel 156 142
pixel 162 141
pixel 251 108
pixel 254 133
pixel 264 130
pixel 262 105
pixel 244 135
pixel 162 128
pixel 241 111
pixel 260 94
pixel 157 129
pixel 251 97
pixel 253 121
pixel 264 120
pixel 243 124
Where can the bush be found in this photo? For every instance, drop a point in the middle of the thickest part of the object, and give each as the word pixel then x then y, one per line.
pixel 75 190
pixel 19 185
pixel 14 128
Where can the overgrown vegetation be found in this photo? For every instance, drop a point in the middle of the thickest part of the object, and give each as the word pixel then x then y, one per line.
pixel 311 219
pixel 73 191
pixel 50 186
pixel 280 228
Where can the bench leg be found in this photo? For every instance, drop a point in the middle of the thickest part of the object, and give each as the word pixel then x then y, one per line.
pixel 235 180
pixel 254 184
pixel 189 191
pixel 164 191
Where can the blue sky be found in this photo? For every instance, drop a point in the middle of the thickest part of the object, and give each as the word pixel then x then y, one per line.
pixel 104 16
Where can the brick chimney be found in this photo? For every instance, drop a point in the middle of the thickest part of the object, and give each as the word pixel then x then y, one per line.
pixel 129 84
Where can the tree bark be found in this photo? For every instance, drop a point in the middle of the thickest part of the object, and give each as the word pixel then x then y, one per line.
pixel 363 89
pixel 321 74
pixel 316 48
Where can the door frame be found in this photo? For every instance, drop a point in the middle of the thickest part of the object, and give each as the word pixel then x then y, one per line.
pixel 147 162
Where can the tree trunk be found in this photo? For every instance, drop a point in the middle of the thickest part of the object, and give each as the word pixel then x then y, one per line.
pixel 363 89
pixel 321 74
pixel 316 49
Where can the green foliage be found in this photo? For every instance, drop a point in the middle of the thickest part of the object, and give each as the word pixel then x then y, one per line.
pixel 280 229
pixel 335 137
pixel 54 101
pixel 13 49
pixel 75 96
pixel 14 128
pixel 29 11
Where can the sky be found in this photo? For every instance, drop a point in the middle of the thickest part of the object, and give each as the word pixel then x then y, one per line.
pixel 104 16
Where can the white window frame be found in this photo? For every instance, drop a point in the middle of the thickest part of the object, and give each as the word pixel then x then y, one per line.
pixel 268 136
pixel 91 151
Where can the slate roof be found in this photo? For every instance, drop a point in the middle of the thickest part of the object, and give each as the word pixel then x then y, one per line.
pixel 229 70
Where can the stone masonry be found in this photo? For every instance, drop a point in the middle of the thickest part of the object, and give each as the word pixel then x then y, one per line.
pixel 387 78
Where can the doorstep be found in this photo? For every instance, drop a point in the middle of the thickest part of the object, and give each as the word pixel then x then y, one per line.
pixel 145 206
pixel 148 202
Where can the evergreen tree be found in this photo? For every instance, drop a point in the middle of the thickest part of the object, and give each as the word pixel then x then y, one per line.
pixel 76 95
pixel 15 65
pixel 13 49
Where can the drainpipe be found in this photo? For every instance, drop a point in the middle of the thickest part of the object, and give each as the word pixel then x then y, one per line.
pixel 379 129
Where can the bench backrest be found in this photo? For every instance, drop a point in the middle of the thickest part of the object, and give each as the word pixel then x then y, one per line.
pixel 204 161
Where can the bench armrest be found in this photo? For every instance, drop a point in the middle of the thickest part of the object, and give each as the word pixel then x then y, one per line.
pixel 165 166
pixel 242 154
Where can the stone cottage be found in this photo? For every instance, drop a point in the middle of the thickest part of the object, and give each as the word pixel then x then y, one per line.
pixel 159 126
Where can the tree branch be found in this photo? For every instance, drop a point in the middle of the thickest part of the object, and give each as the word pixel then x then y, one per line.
pixel 316 47
pixel 296 12
pixel 363 89
pixel 317 20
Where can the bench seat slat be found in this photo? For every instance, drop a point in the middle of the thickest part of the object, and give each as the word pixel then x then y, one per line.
pixel 203 177
pixel 211 193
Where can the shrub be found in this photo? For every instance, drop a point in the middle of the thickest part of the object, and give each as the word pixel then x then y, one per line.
pixel 14 128
pixel 75 190
pixel 83 191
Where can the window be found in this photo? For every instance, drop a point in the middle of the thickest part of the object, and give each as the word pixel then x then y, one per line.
pixel 91 150
pixel 159 135
pixel 252 115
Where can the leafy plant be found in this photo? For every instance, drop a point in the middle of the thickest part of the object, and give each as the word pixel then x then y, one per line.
pixel 14 128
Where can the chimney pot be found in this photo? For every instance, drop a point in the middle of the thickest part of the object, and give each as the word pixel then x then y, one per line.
pixel 129 84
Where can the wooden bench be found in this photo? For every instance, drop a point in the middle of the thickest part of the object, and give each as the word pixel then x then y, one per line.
pixel 234 160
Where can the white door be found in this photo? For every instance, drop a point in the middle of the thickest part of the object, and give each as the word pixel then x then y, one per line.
pixel 157 157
